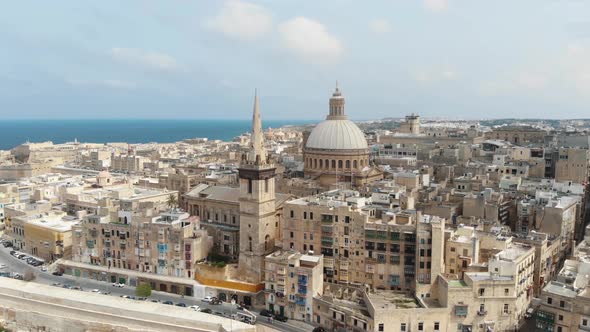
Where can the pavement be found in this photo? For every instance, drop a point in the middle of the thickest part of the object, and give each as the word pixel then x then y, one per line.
pixel 225 309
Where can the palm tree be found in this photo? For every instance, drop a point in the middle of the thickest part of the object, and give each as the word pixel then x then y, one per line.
pixel 172 201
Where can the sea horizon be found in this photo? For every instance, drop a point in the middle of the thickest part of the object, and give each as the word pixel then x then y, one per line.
pixel 14 132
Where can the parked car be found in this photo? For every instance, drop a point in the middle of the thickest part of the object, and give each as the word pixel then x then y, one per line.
pixel 266 313
pixel 207 299
pixel 18 276
pixel 56 284
pixel 180 304
pixel 12 252
pixel 95 290
pixel 2 266
pixel 104 292
pixel 168 302
pixel 155 301
pixel 58 273
pixel 77 288
pixel 120 285
pixel 207 310
pixel 215 300
pixel 281 318
pixel 7 244
pixel 125 296
pixel 195 307
pixel 529 313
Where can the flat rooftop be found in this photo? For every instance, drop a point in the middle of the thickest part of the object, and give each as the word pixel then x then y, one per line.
pixel 57 222
pixel 513 253
pixel 385 300
pixel 561 289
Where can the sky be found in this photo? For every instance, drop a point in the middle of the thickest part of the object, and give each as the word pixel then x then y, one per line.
pixel 453 59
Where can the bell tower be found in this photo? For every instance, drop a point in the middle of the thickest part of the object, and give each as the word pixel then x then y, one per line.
pixel 257 205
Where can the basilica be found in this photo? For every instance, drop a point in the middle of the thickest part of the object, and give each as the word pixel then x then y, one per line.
pixel 336 150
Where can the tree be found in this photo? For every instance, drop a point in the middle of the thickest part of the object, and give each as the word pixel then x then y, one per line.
pixel 172 201
pixel 29 275
pixel 143 290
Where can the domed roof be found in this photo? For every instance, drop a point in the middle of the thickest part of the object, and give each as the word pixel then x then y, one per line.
pixel 337 132
pixel 336 135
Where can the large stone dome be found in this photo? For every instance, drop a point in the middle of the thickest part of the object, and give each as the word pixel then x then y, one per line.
pixel 336 149
pixel 336 134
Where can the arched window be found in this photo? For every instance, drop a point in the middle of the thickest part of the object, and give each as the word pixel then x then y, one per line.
pixel 322 163
pixel 354 164
pixel 348 164
pixel 327 164
pixel 249 243
pixel 333 163
pixel 340 164
pixel 315 163
pixel 266 242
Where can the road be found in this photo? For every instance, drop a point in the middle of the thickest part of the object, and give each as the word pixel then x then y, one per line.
pixel 225 309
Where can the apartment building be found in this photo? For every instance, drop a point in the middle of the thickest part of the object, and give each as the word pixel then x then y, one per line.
pixel 292 280
pixel 493 300
pixel 169 244
pixel 364 244
pixel 572 165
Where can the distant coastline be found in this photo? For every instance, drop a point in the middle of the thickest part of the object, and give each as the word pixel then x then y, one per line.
pixel 16 132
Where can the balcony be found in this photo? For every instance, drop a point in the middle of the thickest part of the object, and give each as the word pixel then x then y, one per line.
pixel 461 310
pixel 302 291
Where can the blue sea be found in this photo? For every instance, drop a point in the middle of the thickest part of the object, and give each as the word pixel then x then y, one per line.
pixel 15 132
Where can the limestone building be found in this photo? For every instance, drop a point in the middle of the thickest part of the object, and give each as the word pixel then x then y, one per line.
pixel 291 282
pixel 169 244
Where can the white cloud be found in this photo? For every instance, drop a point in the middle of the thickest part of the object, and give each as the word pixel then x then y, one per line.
pixel 152 60
pixel 379 25
pixel 241 20
pixel 310 40
pixel 436 5
pixel 108 83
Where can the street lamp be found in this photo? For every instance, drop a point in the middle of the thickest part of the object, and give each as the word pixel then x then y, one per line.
pixel 104 276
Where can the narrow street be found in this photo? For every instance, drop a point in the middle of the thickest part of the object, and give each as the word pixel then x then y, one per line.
pixel 225 309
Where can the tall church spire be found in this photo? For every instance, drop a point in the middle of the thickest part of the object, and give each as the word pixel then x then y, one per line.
pixel 257 153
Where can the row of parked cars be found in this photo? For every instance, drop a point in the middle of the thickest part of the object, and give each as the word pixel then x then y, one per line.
pixel 30 260
pixel 270 314
pixel 6 243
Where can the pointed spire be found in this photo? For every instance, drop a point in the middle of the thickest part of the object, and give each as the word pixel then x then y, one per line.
pixel 337 91
pixel 257 154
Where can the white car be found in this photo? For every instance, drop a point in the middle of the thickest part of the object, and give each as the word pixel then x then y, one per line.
pixel 95 290
pixel 120 285
pixel 2 266
pixel 207 299
pixel 195 307
pixel 44 268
